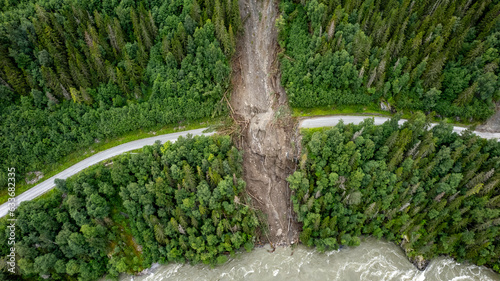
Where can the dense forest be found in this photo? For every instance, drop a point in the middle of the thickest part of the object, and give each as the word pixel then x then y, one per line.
pixel 178 202
pixel 76 72
pixel 425 55
pixel 431 191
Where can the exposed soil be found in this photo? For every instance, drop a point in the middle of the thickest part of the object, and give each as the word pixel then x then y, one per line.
pixel 268 138
pixel 33 177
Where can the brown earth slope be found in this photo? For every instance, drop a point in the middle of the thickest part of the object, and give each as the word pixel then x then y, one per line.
pixel 268 136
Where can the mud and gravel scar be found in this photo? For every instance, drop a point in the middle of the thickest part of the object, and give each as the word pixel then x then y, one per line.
pixel 269 137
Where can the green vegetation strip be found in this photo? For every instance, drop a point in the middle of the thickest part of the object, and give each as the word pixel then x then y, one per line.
pixel 433 192
pixel 339 110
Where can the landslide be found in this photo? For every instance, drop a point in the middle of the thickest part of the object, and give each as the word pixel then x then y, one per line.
pixel 268 133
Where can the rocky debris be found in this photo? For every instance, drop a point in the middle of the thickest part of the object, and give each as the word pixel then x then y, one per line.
pixel 138 247
pixel 269 143
pixel 180 128
pixel 33 177
pixel 384 106
pixel 181 229
pixel 419 262
pixel 150 270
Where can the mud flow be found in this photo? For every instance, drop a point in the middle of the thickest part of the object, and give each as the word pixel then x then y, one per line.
pixel 269 137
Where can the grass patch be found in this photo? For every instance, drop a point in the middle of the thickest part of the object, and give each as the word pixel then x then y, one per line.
pixel 124 247
pixel 77 156
pixel 339 110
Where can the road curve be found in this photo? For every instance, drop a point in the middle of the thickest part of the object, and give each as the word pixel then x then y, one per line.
pixel 314 122
pixel 329 121
pixel 48 184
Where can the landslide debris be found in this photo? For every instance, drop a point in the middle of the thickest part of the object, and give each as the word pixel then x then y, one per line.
pixel 268 136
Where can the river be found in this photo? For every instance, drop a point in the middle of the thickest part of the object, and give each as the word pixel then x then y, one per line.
pixel 372 260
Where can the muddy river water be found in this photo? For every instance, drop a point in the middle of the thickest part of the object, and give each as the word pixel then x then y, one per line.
pixel 372 260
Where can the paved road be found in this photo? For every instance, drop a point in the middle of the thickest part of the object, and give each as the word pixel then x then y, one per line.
pixel 48 184
pixel 316 122
pixel 328 121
